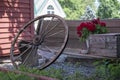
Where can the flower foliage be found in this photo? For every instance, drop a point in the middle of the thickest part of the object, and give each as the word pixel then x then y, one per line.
pixel 94 26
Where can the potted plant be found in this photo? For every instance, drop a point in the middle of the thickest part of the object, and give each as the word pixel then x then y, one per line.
pixel 85 29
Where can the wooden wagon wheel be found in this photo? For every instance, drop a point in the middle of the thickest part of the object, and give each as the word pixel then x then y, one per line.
pixel 44 46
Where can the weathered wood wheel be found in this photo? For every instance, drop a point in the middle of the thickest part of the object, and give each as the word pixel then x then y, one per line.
pixel 44 46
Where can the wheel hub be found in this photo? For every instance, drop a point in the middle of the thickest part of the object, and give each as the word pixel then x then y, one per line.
pixel 37 40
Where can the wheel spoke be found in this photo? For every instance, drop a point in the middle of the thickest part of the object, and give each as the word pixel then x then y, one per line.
pixel 23 45
pixel 55 41
pixel 48 24
pixel 49 49
pixel 47 32
pixel 46 28
pixel 39 26
pixel 28 55
pixel 22 53
pixel 27 32
pixel 54 34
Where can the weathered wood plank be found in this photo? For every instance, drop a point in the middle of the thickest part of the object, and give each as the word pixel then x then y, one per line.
pixel 104 44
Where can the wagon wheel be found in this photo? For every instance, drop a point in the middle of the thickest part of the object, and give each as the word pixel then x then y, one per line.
pixel 42 47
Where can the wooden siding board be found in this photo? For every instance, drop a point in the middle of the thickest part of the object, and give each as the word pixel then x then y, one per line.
pixel 10 36
pixel 9 12
pixel 19 1
pixel 13 15
pixel 110 23
pixel 8 4
pixel 114 30
pixel 16 14
pixel 13 20
pixel 21 9
pixel 20 22
pixel 8 30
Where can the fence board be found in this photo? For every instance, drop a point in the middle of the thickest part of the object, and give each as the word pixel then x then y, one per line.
pixel 113 26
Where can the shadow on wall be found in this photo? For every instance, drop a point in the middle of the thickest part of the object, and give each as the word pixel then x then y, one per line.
pixel 13 13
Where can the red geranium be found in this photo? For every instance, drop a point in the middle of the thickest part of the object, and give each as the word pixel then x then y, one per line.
pixel 96 21
pixel 79 33
pixel 92 27
pixel 102 24
pixel 81 26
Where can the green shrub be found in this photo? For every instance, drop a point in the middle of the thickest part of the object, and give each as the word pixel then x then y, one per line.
pixel 105 70
pixel 13 76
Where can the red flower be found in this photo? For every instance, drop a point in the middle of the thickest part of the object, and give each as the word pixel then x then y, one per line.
pixel 90 26
pixel 81 26
pixel 102 24
pixel 79 33
pixel 96 21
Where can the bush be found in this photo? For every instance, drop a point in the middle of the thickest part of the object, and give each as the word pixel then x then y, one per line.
pixel 105 70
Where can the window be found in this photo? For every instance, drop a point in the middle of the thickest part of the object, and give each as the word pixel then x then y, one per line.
pixel 50 9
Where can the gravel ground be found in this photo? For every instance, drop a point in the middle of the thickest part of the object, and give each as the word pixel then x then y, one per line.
pixel 7 65
pixel 71 68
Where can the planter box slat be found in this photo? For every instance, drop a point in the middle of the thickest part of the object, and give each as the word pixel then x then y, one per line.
pixel 107 45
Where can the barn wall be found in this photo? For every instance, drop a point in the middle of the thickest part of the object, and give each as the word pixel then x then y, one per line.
pixel 13 15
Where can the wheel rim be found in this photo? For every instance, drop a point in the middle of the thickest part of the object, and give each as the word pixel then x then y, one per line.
pixel 44 46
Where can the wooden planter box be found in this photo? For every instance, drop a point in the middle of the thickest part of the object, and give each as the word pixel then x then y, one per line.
pixel 107 45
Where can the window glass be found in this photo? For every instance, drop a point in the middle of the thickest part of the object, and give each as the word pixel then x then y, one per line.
pixel 50 9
